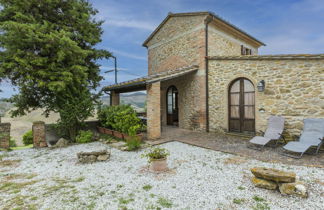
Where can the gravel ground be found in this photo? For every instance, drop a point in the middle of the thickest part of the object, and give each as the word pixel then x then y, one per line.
pixel 198 179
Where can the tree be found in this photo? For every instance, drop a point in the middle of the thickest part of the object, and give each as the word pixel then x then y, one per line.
pixel 49 53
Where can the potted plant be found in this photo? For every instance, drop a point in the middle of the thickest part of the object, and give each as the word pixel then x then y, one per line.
pixel 157 157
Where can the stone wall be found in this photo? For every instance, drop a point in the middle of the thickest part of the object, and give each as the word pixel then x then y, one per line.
pixel 221 42
pixel 294 88
pixel 39 134
pixel 178 43
pixel 4 135
pixel 190 115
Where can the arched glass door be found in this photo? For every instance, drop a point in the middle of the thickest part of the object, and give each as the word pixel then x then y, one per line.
pixel 172 106
pixel 241 106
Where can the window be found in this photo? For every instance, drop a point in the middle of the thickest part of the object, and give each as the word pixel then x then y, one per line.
pixel 245 51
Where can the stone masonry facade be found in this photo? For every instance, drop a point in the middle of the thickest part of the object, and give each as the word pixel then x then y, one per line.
pixel 294 88
pixel 4 135
pixel 181 42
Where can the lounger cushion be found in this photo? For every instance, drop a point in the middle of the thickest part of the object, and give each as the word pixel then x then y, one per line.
pixel 260 140
pixel 297 147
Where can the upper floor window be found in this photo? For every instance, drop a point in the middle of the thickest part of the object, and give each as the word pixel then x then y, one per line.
pixel 245 51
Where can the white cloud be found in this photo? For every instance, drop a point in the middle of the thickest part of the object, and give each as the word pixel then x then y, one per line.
pixel 128 55
pixel 138 24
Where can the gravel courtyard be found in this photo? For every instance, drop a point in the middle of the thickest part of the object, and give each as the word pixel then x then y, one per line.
pixel 198 179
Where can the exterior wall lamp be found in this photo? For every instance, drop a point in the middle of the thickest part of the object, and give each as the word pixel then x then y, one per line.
pixel 261 86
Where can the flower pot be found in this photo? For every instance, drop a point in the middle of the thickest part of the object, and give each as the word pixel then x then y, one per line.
pixel 158 165
pixel 118 135
pixel 101 129
pixel 109 132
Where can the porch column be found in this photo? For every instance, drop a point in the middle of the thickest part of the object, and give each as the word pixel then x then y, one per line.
pixel 114 98
pixel 154 110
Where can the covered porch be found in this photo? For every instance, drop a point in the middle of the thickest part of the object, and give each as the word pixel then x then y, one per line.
pixel 167 97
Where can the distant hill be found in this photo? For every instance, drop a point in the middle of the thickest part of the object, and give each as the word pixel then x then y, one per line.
pixel 4 106
pixel 137 100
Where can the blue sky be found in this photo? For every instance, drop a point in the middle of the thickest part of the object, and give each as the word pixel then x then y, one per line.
pixel 286 26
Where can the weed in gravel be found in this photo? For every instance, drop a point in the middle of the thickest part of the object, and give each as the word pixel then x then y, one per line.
pixel 152 195
pixel 164 202
pixel 241 188
pixel 119 186
pixel 125 201
pixel 80 179
pixel 147 187
pixel 14 187
pixel 56 188
pixel 261 206
pixel 152 207
pixel 9 163
pixel 258 198
pixel 238 200
pixel 3 156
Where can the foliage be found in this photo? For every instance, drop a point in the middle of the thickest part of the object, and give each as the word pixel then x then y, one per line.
pixel 12 142
pixel 133 143
pixel 84 137
pixel 49 51
pixel 156 153
pixel 28 138
pixel 147 187
pixel 121 118
pixel 164 202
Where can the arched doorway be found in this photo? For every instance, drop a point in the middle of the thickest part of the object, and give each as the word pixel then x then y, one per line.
pixel 172 106
pixel 241 106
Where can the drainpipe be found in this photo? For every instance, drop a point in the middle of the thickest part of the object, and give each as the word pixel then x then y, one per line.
pixel 207 21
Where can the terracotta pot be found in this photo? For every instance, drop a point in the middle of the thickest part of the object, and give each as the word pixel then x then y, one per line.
pixel 118 135
pixel 101 129
pixel 159 165
pixel 109 132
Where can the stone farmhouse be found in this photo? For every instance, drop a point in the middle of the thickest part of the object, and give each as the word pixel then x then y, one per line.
pixel 205 74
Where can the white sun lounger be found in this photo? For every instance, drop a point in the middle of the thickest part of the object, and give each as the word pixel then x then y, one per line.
pixel 273 132
pixel 312 136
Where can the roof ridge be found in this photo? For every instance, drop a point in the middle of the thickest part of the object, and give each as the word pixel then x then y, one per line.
pixel 214 15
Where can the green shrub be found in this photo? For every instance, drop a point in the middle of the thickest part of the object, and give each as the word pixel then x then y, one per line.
pixel 133 143
pixel 28 138
pixel 84 137
pixel 156 153
pixel 12 142
pixel 121 118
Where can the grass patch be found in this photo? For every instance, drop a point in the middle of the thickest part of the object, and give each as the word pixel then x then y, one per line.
pixel 238 200
pixel 22 147
pixel 164 202
pixel 125 201
pixel 147 187
pixel 241 188
pixel 80 179
pixel 14 186
pixel 261 206
pixel 258 198
pixel 9 163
